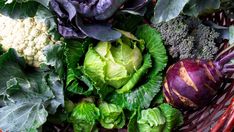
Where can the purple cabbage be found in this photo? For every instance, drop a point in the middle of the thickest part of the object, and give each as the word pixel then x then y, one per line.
pixel 82 18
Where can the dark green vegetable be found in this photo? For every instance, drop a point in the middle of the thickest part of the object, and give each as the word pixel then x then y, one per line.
pixel 30 93
pixel 187 37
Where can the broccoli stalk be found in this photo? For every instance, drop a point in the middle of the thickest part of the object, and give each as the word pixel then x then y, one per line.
pixel 187 37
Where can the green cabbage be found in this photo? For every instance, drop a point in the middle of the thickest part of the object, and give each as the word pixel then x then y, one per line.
pixel 113 64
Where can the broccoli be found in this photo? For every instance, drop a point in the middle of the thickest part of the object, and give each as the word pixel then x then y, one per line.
pixel 187 37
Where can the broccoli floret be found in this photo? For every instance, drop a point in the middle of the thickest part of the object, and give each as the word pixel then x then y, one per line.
pixel 187 37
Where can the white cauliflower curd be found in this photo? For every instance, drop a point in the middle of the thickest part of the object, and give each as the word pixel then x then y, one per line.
pixel 27 36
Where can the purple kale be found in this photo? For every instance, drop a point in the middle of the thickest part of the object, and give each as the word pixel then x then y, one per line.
pixel 82 18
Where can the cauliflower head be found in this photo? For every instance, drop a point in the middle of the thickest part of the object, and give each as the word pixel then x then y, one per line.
pixel 27 36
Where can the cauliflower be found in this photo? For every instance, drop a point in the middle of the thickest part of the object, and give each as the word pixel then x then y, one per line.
pixel 27 36
pixel 187 37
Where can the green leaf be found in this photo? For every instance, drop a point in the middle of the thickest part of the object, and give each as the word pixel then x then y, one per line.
pixel 55 57
pixel 130 22
pixel 22 116
pixel 84 116
pixel 56 86
pixel 136 77
pixel 159 99
pixel 133 123
pixel 143 94
pixel 111 116
pixel 231 34
pixel 19 10
pixel 1 50
pixel 26 95
pixel 74 51
pixel 154 46
pixel 45 3
pixel 174 117
pixel 151 120
pixel 166 10
pixel 196 7
pixel 74 83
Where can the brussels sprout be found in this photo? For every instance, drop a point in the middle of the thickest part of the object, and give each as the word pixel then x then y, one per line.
pixel 111 116
pixel 113 65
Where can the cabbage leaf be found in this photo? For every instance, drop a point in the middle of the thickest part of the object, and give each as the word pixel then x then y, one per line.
pixel 145 90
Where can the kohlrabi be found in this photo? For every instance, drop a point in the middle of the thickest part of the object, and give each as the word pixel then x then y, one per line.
pixel 192 83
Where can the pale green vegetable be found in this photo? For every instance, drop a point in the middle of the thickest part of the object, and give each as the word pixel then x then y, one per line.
pixel 164 118
pixel 111 116
pixel 151 120
pixel 112 64
pixel 84 117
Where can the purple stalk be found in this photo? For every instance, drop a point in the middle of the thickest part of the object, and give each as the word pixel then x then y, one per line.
pixel 225 59
pixel 227 70
pixel 228 66
pixel 224 51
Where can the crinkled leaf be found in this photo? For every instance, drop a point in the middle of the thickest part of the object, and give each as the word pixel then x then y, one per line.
pixel 26 94
pixel 55 57
pixel 56 87
pixel 154 46
pixel 174 117
pixel 75 83
pixel 22 116
pixel 111 116
pixel 19 10
pixel 84 116
pixel 166 10
pixel 151 120
pixel 142 95
pixel 196 7
pixel 74 51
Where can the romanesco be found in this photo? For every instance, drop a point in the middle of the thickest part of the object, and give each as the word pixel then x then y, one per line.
pixel 27 36
pixel 187 37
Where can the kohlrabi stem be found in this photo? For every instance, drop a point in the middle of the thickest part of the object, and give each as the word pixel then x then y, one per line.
pixel 228 66
pixel 227 70
pixel 224 51
pixel 226 59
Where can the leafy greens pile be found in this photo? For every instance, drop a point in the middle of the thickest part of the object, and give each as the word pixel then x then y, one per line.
pixel 106 74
